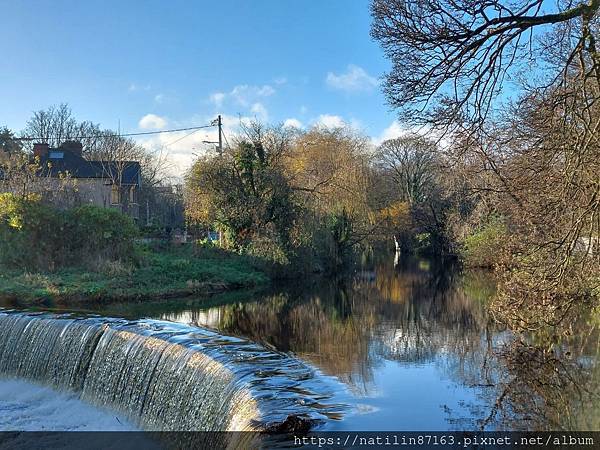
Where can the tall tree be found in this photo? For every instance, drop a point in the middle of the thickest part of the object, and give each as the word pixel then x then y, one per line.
pixel 57 124
pixel 410 162
pixel 9 144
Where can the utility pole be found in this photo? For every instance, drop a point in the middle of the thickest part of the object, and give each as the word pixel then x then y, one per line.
pixel 220 124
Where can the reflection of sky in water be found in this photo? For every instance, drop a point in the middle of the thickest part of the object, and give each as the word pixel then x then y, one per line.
pixel 409 397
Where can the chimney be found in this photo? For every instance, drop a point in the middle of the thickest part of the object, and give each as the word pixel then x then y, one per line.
pixel 40 150
pixel 74 147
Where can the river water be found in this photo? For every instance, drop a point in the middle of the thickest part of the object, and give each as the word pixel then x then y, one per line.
pixel 410 347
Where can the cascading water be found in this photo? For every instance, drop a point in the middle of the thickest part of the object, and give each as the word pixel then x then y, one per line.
pixel 163 376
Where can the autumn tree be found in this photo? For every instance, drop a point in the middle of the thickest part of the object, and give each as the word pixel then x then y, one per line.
pixel 331 171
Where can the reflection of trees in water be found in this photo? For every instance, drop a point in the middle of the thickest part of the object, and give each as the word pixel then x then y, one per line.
pixel 549 386
pixel 535 382
pixel 408 315
pixel 436 315
pixel 427 313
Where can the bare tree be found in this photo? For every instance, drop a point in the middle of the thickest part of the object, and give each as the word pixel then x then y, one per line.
pixel 56 125
pixel 518 84
pixel 410 163
pixel 451 59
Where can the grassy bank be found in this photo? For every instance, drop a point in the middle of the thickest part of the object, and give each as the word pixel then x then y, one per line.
pixel 159 273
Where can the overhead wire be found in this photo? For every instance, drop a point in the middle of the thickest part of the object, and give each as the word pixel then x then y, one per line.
pixel 142 133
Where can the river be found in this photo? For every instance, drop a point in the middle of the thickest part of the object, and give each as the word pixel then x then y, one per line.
pixel 409 347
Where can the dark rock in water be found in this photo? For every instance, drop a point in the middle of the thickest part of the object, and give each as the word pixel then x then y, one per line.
pixel 292 424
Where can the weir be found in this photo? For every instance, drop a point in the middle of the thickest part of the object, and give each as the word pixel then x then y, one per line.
pixel 162 375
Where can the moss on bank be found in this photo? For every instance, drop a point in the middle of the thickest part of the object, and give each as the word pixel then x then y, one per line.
pixel 160 273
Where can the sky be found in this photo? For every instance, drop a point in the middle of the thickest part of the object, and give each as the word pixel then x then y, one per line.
pixel 142 66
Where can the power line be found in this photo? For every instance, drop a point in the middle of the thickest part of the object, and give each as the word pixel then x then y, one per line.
pixel 226 141
pixel 144 133
pixel 181 138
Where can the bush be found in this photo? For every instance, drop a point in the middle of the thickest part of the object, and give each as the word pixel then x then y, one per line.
pixel 30 233
pixel 481 249
pixel 34 236
pixel 101 233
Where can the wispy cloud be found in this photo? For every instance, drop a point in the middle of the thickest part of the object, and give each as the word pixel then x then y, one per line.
pixel 355 79
pixel 259 110
pixel 139 87
pixel 217 98
pixel 152 122
pixel 159 98
pixel 243 95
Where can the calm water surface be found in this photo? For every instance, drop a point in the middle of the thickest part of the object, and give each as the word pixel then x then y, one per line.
pixel 413 347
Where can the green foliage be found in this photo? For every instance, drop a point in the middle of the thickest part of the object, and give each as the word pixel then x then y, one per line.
pixel 246 198
pixel 423 243
pixel 340 227
pixel 31 234
pixel 102 232
pixel 35 236
pixel 162 272
pixel 8 144
pixel 481 248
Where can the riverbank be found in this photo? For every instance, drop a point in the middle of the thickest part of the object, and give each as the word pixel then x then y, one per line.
pixel 160 273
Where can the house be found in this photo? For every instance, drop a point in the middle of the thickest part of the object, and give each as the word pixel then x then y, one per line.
pixel 108 184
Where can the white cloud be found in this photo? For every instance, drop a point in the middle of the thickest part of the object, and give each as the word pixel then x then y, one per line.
pixel 217 98
pixel 280 80
pixel 393 131
pixel 303 109
pixel 242 94
pixel 355 79
pixel 152 122
pixel 182 148
pixel 260 111
pixel 292 123
pixel 396 130
pixel 159 98
pixel 330 121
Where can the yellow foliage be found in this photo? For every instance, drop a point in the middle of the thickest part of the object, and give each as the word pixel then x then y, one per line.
pixel 397 216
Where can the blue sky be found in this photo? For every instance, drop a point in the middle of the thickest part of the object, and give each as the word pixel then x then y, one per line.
pixel 156 64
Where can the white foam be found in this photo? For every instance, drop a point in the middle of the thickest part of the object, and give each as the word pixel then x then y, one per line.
pixel 26 406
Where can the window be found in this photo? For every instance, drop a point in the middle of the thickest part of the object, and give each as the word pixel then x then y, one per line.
pixel 132 195
pixel 115 195
pixel 57 155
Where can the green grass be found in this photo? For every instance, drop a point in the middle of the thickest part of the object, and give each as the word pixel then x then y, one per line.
pixel 160 273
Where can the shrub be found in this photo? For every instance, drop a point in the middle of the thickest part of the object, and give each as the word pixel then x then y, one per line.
pixel 34 236
pixel 100 232
pixel 481 248
pixel 30 233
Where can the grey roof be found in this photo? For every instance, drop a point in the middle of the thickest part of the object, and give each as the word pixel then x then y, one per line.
pixel 61 161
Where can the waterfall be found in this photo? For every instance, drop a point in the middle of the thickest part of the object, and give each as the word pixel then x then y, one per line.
pixel 162 375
